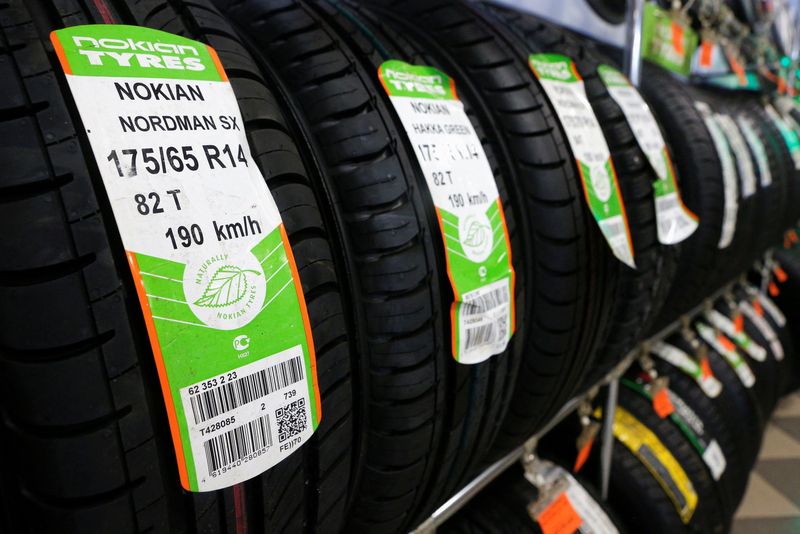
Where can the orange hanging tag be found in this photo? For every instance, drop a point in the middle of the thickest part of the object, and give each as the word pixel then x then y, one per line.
pixel 737 68
pixel 583 455
pixel 560 517
pixel 706 53
pixel 677 37
pixel 662 403
pixel 726 343
pixel 738 323
pixel 705 368
pixel 773 289
pixel 780 274
pixel 757 306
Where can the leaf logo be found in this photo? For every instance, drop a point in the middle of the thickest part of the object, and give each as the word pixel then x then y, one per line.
pixel 227 286
pixel 476 234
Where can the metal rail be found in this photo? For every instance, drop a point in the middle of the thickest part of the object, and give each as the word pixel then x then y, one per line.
pixel 465 494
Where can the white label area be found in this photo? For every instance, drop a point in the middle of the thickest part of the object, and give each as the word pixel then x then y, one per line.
pixel 466 198
pixel 728 169
pixel 715 459
pixel 744 162
pixel 567 94
pixel 731 356
pixel 678 358
pixel 721 321
pixel 766 303
pixel 748 128
pixel 213 271
pixel 595 519
pixel 674 222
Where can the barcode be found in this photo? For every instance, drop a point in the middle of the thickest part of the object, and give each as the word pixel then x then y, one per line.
pixel 667 202
pixel 226 397
pixel 235 444
pixel 613 228
pixel 480 335
pixel 485 302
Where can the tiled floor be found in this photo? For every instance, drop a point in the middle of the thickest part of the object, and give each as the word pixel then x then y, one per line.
pixel 772 502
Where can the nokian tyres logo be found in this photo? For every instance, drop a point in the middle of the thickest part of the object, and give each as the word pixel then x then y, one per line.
pixel 134 52
pixel 146 54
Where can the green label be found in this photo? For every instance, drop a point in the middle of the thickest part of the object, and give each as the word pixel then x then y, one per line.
pixel 674 221
pixel 565 90
pixel 210 260
pixel 465 195
pixel 667 42
pixel 134 52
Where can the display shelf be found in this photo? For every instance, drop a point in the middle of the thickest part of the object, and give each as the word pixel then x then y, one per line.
pixel 526 450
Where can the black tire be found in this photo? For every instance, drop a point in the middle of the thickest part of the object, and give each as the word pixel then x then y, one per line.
pixel 789 303
pixel 733 481
pixel 700 179
pixel 743 250
pixel 767 386
pixel 774 198
pixel 82 412
pixel 572 276
pixel 736 405
pixel 423 419
pixel 640 292
pixel 653 511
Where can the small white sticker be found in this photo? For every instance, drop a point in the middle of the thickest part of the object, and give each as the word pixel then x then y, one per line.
pixel 715 459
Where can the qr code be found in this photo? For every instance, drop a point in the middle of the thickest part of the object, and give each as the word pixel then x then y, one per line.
pixel 291 419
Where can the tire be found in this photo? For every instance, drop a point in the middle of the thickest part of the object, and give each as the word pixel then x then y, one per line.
pixel 774 198
pixel 789 303
pixel 733 481
pixel 82 412
pixel 655 509
pixel 640 292
pixel 423 419
pixel 700 180
pixel 767 386
pixel 736 405
pixel 572 276
pixel 743 250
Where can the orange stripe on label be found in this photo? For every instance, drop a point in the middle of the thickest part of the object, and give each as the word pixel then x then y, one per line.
pixel 162 371
pixel 677 37
pixel 312 356
pixel 706 53
pixel 217 63
pixel 59 48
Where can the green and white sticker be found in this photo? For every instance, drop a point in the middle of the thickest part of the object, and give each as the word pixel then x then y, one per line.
pixel 689 366
pixel 667 41
pixel 564 88
pixel 744 162
pixel 464 192
pixel 674 220
pixel 211 263
pixel 726 326
pixel 789 136
pixel 729 179
pixel 757 149
pixel 728 352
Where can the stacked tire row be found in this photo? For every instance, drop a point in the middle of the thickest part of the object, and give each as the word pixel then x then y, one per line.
pixel 688 429
pixel 405 425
